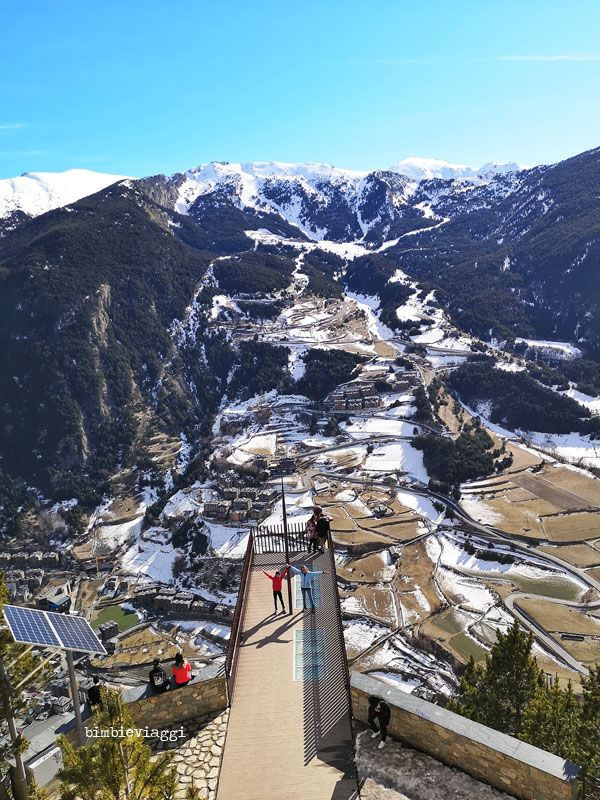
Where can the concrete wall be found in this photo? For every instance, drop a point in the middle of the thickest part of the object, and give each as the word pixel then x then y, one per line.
pixel 492 757
pixel 205 694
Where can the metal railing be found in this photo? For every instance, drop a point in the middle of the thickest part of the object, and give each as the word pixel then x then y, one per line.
pixel 339 623
pixel 589 785
pixel 271 539
pixel 237 625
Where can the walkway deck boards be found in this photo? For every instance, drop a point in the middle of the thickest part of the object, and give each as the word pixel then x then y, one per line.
pixel 288 738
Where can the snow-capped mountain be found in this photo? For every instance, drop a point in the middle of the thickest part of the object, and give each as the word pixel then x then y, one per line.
pixel 324 202
pixel 93 291
pixel 424 169
pixel 35 193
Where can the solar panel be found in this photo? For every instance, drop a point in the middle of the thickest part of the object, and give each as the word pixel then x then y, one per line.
pixel 30 626
pixel 75 633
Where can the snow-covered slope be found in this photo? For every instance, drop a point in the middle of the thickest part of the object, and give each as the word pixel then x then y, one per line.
pixel 420 169
pixel 252 184
pixel 324 202
pixel 34 193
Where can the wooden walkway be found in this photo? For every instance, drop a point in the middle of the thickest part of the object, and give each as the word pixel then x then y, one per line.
pixel 289 733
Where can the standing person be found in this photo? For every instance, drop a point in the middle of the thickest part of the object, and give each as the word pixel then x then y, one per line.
pixel 323 528
pixel 311 534
pixel 306 579
pixel 276 580
pixel 379 710
pixel 182 670
pixel 158 677
pixel 95 695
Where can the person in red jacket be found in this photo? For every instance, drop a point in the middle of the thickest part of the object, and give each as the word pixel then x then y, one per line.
pixel 277 580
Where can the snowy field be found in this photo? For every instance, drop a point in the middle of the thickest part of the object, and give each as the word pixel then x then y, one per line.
pixel 586 400
pixel 563 350
pixel 152 559
pixel 452 556
pixel 226 541
pixel 183 502
pixel 221 302
pixel 407 685
pixel 422 505
pixel 476 507
pixel 573 447
pixel 359 635
pixel 111 536
pixel 370 305
pixel 467 592
pixel 401 456
pixel 360 428
pixel 251 445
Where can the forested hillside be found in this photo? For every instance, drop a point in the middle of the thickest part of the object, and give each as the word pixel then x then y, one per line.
pixel 518 401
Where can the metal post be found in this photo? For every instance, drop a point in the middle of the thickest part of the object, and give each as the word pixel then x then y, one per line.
pixel 75 698
pixel 21 789
pixel 287 548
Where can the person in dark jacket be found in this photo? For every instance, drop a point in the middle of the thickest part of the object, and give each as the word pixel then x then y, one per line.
pixel 94 695
pixel 379 719
pixel 323 527
pixel 158 677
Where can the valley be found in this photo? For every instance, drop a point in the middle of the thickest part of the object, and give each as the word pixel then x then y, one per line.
pixel 426 580
pixel 262 342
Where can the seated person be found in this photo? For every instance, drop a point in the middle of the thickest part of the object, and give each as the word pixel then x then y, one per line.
pixel 182 670
pixel 94 696
pixel 158 677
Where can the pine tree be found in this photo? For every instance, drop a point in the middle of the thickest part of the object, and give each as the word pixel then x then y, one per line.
pixel 552 721
pixel 115 768
pixel 470 691
pixel 590 722
pixel 19 665
pixel 498 694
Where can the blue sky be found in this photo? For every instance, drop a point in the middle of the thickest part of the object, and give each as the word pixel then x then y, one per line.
pixel 137 88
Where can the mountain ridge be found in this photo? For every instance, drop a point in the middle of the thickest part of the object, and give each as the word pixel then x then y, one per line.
pixel 35 193
pixel 93 294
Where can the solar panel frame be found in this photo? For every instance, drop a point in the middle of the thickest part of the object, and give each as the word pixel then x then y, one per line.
pixel 75 633
pixel 52 629
pixel 30 626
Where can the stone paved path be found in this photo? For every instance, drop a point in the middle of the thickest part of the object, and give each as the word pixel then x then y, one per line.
pixel 198 755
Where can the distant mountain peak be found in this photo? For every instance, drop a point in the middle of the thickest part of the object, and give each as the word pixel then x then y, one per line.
pixel 435 168
pixel 35 193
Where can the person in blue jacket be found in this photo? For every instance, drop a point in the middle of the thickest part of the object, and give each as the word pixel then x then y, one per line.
pixel 306 579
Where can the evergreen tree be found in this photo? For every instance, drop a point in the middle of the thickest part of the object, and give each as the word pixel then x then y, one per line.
pixel 19 665
pixel 498 694
pixel 470 691
pixel 115 768
pixel 590 722
pixel 552 721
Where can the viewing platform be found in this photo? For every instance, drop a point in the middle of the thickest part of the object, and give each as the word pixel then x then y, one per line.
pixel 289 731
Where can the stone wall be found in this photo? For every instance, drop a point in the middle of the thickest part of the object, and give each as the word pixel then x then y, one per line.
pixel 206 694
pixel 502 761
